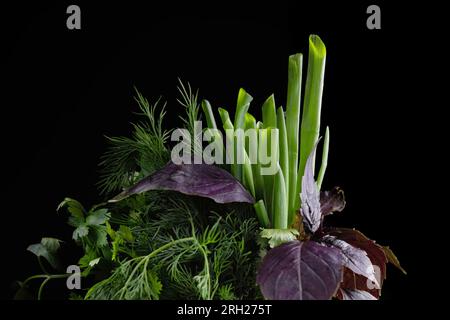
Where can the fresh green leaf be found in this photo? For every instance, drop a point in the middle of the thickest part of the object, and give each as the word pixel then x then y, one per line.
pixel 51 244
pixel 125 233
pixel 75 221
pixel 100 236
pixel 47 249
pixel 85 260
pixel 73 206
pixel 98 217
pixel 80 232
pixel 279 236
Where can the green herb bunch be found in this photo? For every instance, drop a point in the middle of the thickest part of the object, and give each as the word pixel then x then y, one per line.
pixel 197 231
pixel 157 245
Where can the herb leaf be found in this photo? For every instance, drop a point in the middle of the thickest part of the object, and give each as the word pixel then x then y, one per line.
pixel 75 208
pixel 279 236
pixel 300 271
pixel 355 259
pixel 193 179
pixel 97 217
pixel 47 249
pixel 310 196
pixel 375 253
pixel 80 232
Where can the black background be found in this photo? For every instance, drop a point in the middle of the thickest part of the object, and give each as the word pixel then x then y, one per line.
pixel 63 90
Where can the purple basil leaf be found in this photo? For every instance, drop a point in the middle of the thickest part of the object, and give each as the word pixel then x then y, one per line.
pixel 310 196
pixel 356 295
pixel 300 271
pixel 355 259
pixel 201 180
pixel 375 253
pixel 332 201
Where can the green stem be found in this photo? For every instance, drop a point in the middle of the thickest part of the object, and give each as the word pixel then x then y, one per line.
pixel 243 103
pixel 292 124
pixel 247 175
pixel 280 203
pixel 312 105
pixel 206 262
pixel 209 115
pixel 47 278
pixel 41 287
pixel 229 138
pixel 269 117
pixel 211 122
pixel 38 276
pixel 269 114
pixel 261 213
pixel 265 141
pixel 102 204
pixel 323 166
pixel 283 152
pixel 250 123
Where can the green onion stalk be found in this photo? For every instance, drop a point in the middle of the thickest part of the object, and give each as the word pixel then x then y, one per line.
pixel 277 195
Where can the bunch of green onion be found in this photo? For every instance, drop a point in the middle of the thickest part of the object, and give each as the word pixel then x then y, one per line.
pixel 278 196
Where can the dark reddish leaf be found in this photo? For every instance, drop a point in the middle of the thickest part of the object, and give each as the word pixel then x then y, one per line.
pixel 355 259
pixel 375 253
pixel 332 201
pixel 310 196
pixel 201 180
pixel 300 271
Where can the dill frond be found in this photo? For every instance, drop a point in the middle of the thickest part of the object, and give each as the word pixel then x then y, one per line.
pixel 128 159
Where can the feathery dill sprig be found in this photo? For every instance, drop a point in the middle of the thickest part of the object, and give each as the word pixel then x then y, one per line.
pixel 128 159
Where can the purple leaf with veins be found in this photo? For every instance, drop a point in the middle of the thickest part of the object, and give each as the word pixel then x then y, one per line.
pixel 310 196
pixel 374 252
pixel 201 180
pixel 355 259
pixel 300 271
